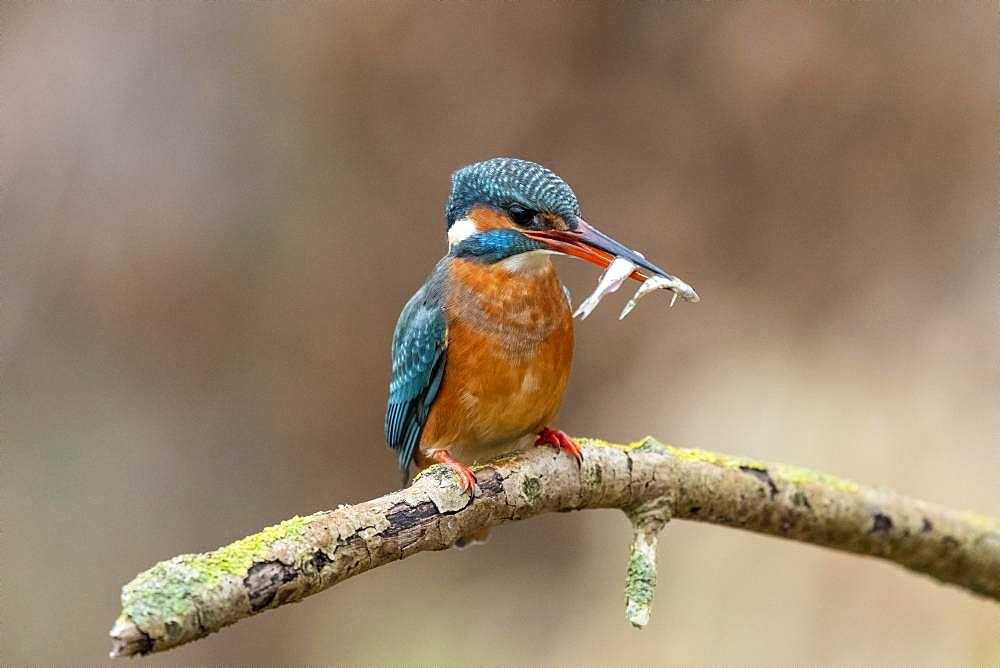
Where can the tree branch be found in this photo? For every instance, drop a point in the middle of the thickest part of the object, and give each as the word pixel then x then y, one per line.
pixel 193 595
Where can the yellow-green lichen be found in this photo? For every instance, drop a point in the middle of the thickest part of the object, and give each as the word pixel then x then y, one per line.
pixel 430 470
pixel 797 475
pixel 442 470
pixel 645 442
pixel 780 472
pixel 640 583
pixel 163 591
pixel 531 488
pixel 238 557
pixel 977 520
pixel 717 458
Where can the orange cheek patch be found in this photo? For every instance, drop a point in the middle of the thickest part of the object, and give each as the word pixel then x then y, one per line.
pixel 488 219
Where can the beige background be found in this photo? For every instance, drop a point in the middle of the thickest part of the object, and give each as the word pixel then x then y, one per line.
pixel 213 214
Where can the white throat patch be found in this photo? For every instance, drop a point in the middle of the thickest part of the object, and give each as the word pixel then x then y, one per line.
pixel 461 230
pixel 535 260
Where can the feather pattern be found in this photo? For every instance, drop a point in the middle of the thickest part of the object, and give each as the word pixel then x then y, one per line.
pixel 418 361
pixel 503 181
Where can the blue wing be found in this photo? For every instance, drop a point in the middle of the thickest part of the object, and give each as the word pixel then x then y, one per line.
pixel 418 361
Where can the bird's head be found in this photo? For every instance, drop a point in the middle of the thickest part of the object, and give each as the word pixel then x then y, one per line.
pixel 503 208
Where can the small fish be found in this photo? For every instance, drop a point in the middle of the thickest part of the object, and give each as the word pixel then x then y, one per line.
pixel 679 288
pixel 611 280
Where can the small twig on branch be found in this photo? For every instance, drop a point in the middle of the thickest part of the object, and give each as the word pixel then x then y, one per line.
pixel 193 595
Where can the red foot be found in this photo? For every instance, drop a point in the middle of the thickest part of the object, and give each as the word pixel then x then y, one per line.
pixel 558 438
pixel 465 475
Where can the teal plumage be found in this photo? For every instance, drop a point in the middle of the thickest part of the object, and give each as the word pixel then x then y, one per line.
pixel 418 362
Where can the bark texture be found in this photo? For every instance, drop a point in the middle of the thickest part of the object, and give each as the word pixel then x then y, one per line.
pixel 193 595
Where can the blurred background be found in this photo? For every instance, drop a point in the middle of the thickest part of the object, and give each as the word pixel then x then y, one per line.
pixel 212 215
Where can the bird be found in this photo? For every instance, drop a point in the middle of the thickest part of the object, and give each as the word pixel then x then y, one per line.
pixel 481 353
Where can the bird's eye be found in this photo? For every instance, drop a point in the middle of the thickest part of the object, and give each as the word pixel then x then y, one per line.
pixel 520 215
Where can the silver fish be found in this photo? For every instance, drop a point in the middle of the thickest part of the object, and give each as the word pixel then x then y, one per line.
pixel 679 288
pixel 612 278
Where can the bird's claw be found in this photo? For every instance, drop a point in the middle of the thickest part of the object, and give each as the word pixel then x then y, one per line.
pixel 561 440
pixel 466 477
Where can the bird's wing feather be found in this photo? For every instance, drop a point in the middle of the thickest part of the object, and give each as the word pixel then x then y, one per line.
pixel 418 360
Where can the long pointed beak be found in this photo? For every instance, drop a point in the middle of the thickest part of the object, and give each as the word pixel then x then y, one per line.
pixel 588 243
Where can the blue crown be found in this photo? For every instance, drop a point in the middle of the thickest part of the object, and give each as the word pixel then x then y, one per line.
pixel 501 182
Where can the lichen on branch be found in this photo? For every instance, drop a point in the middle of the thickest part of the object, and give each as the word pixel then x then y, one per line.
pixel 193 595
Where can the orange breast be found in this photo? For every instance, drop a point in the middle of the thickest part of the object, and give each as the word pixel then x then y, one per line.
pixel 510 349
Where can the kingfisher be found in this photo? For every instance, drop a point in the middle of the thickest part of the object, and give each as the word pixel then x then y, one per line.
pixel 481 354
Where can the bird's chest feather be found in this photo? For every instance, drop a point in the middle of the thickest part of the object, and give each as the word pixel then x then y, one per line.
pixel 515 312
pixel 510 348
